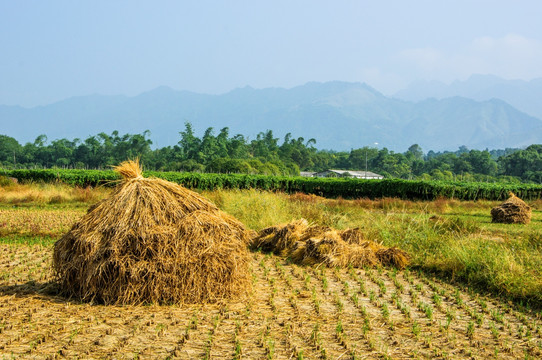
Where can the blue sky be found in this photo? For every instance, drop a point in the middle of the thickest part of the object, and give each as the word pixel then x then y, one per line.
pixel 52 50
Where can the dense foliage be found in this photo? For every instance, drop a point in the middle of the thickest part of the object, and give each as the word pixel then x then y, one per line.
pixel 328 187
pixel 267 155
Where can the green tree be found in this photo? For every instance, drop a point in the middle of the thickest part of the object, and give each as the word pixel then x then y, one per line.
pixel 62 151
pixel 265 145
pixel 10 150
pixel 482 162
pixel 189 143
pixel 415 152
pixel 522 162
pixel 365 158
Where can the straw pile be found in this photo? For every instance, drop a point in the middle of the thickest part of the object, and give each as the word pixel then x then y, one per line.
pixel 153 241
pixel 512 211
pixel 311 245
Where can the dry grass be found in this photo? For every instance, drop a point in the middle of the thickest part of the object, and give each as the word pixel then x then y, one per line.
pixel 536 204
pixel 153 241
pixel 50 194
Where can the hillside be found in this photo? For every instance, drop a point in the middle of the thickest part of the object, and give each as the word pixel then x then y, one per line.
pixel 523 95
pixel 338 115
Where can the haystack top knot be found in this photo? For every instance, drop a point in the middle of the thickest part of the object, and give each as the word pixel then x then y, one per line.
pixel 129 169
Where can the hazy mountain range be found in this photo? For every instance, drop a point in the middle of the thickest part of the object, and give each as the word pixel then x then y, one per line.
pixel 339 115
pixel 523 95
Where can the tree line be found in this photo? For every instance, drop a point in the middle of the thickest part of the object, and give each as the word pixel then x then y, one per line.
pixel 269 155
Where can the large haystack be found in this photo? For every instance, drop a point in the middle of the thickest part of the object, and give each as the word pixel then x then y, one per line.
pixel 310 245
pixel 512 211
pixel 153 241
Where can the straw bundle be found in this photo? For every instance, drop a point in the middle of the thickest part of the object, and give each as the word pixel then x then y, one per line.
pixel 353 236
pixel 279 239
pixel 512 211
pixel 332 251
pixel 153 241
pixel 393 256
pixel 311 245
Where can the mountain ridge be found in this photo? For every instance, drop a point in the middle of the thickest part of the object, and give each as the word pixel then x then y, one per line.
pixel 521 94
pixel 339 115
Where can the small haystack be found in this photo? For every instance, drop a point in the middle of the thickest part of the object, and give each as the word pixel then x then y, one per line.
pixel 153 241
pixel 311 245
pixel 512 211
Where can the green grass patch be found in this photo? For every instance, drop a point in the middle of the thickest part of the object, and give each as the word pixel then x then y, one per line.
pixel 28 240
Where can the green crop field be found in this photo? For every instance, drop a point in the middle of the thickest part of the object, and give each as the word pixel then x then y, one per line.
pixel 347 188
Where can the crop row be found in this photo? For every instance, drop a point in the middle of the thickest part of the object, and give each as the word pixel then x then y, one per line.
pixel 326 187
pixel 290 312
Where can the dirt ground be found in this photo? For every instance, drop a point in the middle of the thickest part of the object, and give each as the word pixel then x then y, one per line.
pixel 294 312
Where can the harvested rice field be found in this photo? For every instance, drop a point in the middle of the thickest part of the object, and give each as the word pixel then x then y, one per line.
pixel 293 312
pixel 471 291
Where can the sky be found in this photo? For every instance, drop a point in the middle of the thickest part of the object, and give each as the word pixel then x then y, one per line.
pixel 52 50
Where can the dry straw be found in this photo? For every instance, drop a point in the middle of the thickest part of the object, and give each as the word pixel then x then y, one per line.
pixel 153 241
pixel 512 211
pixel 311 245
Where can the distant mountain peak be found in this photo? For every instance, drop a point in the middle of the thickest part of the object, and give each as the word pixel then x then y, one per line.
pixel 521 94
pixel 162 89
pixel 246 88
pixel 338 85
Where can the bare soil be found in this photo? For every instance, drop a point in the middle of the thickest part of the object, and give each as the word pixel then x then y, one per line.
pixel 293 312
